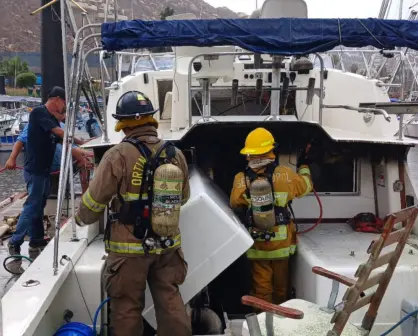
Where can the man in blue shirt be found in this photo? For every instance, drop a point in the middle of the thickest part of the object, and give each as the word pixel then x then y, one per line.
pixel 44 132
pixel 21 143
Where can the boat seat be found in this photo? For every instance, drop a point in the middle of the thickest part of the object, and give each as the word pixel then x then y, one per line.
pixel 299 317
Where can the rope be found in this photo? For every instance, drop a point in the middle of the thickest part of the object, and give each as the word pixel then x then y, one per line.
pixel 339 32
pixel 364 26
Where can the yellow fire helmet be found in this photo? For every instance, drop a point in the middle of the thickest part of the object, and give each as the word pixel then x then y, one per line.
pixel 258 142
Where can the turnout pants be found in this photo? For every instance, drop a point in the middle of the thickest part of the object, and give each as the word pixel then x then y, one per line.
pixel 270 280
pixel 125 279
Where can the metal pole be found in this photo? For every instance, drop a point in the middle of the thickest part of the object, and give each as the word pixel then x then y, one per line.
pixel 253 325
pixel 65 160
pixel 120 62
pixel 400 9
pixel 74 224
pixel 365 64
pixel 64 46
pixel 105 137
pixel 206 98
pixel 66 152
pixel 321 87
pixel 269 324
pixel 64 155
pixel 402 96
pixel 83 22
pixel 275 82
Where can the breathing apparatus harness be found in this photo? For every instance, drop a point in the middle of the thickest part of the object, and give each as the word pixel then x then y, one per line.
pixel 282 214
pixel 139 211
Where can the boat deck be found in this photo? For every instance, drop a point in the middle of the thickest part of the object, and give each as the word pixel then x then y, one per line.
pixel 7 280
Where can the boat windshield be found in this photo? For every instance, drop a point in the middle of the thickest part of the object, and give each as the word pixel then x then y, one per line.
pixel 153 63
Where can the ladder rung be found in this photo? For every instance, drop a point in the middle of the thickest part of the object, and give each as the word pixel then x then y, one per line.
pixel 373 281
pixel 363 302
pixel 382 260
pixel 394 237
pixel 403 215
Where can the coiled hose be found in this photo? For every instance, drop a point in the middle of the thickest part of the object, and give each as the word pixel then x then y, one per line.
pixel 15 257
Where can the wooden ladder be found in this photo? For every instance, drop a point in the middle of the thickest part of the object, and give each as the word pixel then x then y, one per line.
pixel 353 300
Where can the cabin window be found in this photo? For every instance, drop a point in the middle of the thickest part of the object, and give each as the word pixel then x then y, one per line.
pixel 336 174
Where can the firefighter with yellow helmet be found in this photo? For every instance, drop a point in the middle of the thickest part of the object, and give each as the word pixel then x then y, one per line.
pixel 146 181
pixel 261 195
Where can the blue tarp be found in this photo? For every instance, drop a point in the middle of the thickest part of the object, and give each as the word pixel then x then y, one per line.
pixel 283 36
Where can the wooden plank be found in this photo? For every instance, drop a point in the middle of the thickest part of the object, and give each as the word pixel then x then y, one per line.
pixel 394 237
pixel 373 281
pixel 334 276
pixel 379 262
pixel 383 260
pixel 272 308
pixel 363 302
pixel 404 214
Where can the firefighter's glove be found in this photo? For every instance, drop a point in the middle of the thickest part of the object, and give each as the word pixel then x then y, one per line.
pixel 309 156
pixel 78 221
pixel 303 160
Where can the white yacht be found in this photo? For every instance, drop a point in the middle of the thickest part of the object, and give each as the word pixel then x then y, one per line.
pixel 209 101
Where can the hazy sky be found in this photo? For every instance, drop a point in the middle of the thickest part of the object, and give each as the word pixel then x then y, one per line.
pixel 322 8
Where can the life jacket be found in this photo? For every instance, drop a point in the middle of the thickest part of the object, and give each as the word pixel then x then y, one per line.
pixel 156 212
pixel 263 213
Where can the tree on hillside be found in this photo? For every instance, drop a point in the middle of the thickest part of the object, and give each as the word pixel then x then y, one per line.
pixel 13 67
pixel 26 79
pixel 168 11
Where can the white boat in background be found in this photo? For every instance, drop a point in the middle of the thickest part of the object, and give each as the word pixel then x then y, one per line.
pixel 14 114
pixel 208 102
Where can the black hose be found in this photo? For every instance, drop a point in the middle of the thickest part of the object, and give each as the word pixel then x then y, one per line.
pixel 15 257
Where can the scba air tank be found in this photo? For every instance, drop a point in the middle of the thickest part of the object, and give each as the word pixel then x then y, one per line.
pixel 168 193
pixel 262 204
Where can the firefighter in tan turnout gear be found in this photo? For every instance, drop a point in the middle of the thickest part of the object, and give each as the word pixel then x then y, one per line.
pixel 260 196
pixel 147 181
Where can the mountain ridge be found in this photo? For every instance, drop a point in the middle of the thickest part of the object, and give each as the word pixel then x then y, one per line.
pixel 20 32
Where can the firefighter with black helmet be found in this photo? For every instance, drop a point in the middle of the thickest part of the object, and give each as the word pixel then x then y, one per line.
pixel 146 181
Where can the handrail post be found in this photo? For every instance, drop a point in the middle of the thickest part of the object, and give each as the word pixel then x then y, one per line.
pixel 105 137
pixel 321 86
